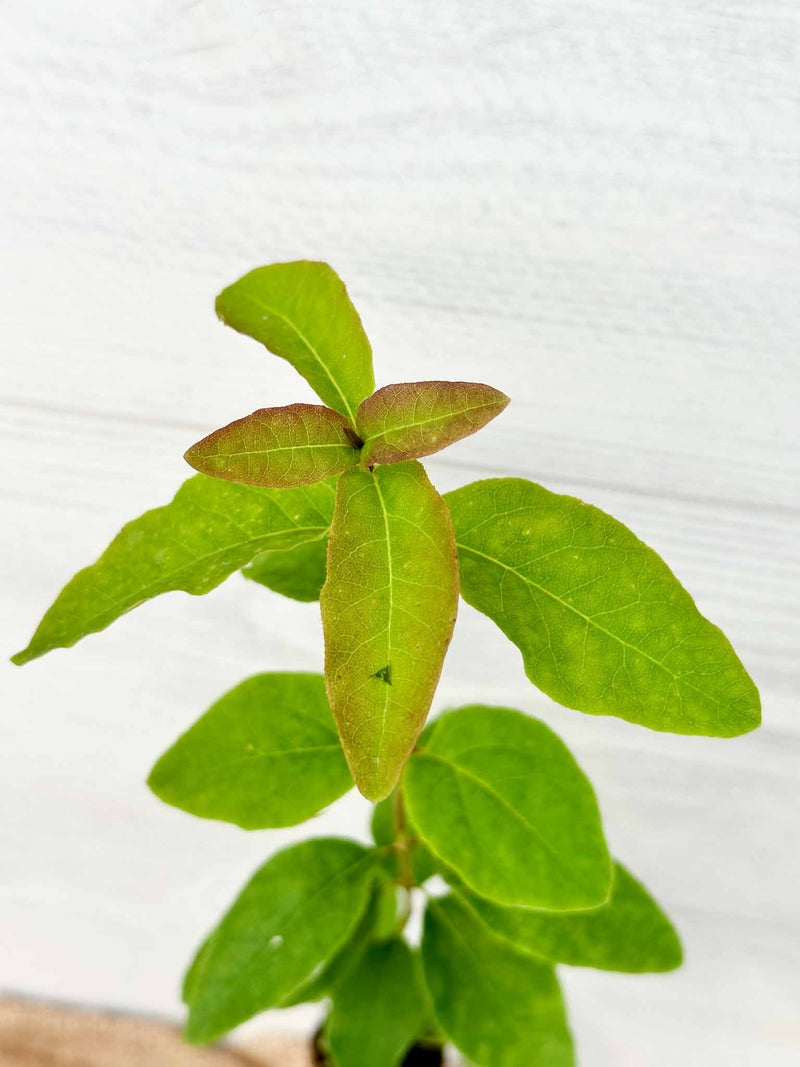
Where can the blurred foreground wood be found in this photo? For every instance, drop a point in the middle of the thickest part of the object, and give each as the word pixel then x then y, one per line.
pixel 36 1035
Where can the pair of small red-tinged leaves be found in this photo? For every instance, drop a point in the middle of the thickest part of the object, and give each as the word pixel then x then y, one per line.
pixel 286 447
pixel 390 600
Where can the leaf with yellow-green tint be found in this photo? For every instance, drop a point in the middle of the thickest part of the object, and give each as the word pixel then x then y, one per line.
pixel 499 799
pixel 500 1007
pixel 628 933
pixel 278 448
pixel 603 625
pixel 415 419
pixel 388 610
pixel 265 754
pixel 291 918
pixel 302 313
pixel 211 529
pixel 299 573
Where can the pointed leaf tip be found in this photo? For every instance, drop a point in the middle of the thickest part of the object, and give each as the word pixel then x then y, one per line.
pixel 628 933
pixel 415 419
pixel 603 625
pixel 278 448
pixel 301 312
pixel 208 531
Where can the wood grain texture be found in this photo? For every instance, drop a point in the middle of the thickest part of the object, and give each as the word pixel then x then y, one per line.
pixel 595 208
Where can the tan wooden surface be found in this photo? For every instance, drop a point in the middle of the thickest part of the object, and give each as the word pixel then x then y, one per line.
pixel 593 207
pixel 46 1035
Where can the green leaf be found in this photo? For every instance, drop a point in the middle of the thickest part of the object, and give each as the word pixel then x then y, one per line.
pixel 378 1009
pixel 500 799
pixel 416 419
pixel 278 448
pixel 302 313
pixel 195 969
pixel 382 909
pixel 292 916
pixel 423 864
pixel 602 623
pixel 266 754
pixel 388 610
pixel 499 1007
pixel 298 573
pixel 630 933
pixel 209 530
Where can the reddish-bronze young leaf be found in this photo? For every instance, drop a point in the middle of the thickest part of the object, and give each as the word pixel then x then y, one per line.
pixel 278 448
pixel 416 419
pixel 388 610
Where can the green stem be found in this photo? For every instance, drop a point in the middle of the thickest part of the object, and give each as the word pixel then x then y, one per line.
pixel 405 872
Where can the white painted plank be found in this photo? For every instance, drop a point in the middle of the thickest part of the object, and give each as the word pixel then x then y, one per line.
pixel 593 207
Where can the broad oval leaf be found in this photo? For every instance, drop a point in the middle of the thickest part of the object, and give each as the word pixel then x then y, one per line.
pixel 292 916
pixel 301 312
pixel 298 573
pixel 499 1007
pixel 266 754
pixel 380 913
pixel 602 623
pixel 378 1009
pixel 388 610
pixel 210 529
pixel 278 448
pixel 415 419
pixel 500 799
pixel 629 933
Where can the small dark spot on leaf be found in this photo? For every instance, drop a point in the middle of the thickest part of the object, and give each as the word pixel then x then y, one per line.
pixel 385 674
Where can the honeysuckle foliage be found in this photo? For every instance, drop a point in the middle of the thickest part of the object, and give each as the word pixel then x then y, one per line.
pixel 329 502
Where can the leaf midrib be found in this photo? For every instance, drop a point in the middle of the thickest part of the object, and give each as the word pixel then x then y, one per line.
pixel 287 448
pixel 274 754
pixel 390 587
pixel 268 307
pixel 142 593
pixel 678 679
pixel 487 787
pixel 285 918
pixel 429 422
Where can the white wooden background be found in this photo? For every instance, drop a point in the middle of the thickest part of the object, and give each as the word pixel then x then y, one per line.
pixel 594 207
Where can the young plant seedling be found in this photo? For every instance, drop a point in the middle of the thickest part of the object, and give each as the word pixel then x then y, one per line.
pixel 330 501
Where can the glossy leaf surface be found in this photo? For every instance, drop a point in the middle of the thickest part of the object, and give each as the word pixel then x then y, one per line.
pixel 210 529
pixel 378 1009
pixel 278 448
pixel 630 933
pixel 499 1007
pixel 298 573
pixel 415 419
pixel 388 609
pixel 266 754
pixel 602 623
pixel 293 915
pixel 500 799
pixel 302 313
